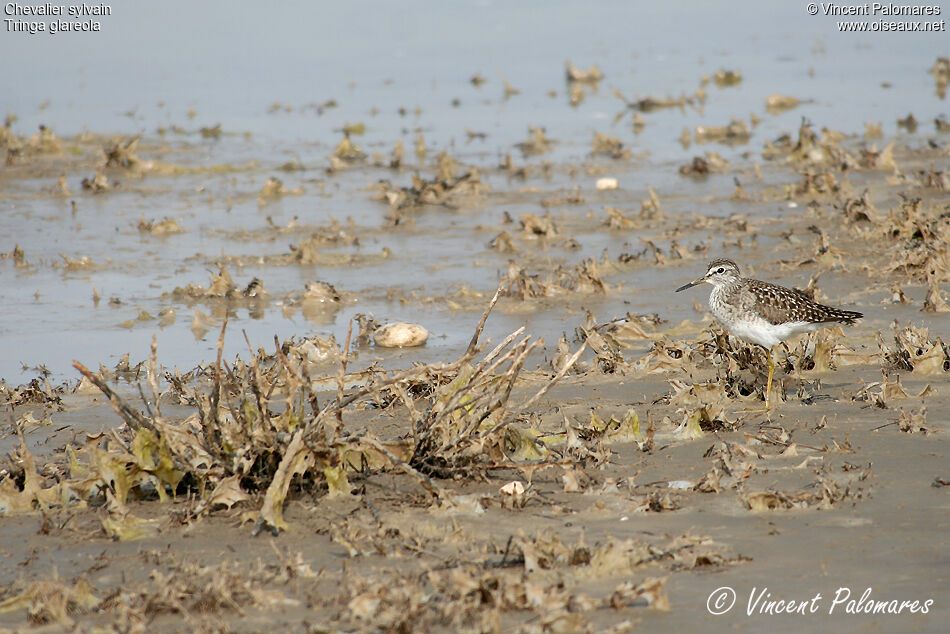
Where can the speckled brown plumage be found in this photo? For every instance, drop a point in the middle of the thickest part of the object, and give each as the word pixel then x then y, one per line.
pixel 779 305
pixel 764 313
pixel 761 312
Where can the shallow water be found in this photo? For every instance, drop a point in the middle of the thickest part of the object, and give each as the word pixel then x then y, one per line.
pixel 230 63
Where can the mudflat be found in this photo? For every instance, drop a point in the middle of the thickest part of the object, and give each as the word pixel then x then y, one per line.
pixel 415 375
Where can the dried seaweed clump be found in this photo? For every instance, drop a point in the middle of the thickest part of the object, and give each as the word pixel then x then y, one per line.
pixel 607 340
pixel 458 430
pixel 260 428
pixel 38 391
pixel 445 189
pixel 815 352
pixel 537 581
pixel 921 238
pixel 346 154
pixel 591 75
pixel 312 250
pixel 537 584
pixel 8 138
pixel 605 145
pixel 914 351
pixel 53 602
pixel 934 178
pixel 17 255
pixel 332 233
pixel 534 226
pixel 649 104
pixel 45 141
pixel 736 133
pixel 221 286
pixel 197 593
pixel 274 189
pixel 537 142
pixel 725 78
pixel 941 73
pixel 98 183
pixel 191 590
pixel 581 278
pixel 164 227
pixel 732 359
pixel 859 211
pixel 701 166
pixel 810 150
pixel 815 183
pixel 777 103
pixel 121 154
pixel 824 494
pixel 872 158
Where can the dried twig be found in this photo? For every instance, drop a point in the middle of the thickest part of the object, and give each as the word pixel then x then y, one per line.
pixel 473 344
pixel 300 377
pixel 211 432
pixel 340 385
pixel 130 415
pixel 427 483
pixel 151 375
pixel 544 390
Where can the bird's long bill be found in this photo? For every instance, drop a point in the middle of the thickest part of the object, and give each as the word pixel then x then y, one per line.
pixel 690 285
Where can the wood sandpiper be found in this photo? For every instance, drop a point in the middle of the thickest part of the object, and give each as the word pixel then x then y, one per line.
pixel 763 313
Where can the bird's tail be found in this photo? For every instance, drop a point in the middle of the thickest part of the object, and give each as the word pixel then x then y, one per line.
pixel 843 316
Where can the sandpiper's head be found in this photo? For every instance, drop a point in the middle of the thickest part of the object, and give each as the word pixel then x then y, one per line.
pixel 718 273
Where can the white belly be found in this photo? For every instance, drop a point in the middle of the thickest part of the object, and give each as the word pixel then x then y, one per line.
pixel 765 334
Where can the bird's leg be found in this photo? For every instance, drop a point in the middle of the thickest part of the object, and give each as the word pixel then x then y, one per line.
pixel 768 385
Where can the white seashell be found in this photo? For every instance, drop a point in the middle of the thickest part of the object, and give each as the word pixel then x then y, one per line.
pixel 513 488
pixel 680 484
pixel 400 335
pixel 607 183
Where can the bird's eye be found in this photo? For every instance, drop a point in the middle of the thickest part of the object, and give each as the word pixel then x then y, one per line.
pixel 720 270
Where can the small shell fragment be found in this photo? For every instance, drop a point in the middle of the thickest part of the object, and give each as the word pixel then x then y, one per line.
pixel 513 488
pixel 777 103
pixel 400 335
pixel 607 183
